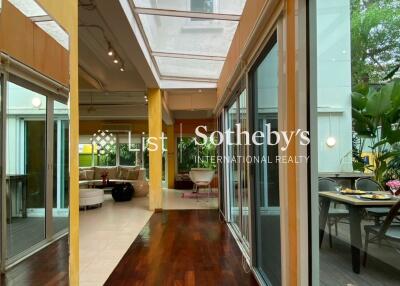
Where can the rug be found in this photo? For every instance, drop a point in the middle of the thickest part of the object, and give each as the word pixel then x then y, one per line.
pixel 190 195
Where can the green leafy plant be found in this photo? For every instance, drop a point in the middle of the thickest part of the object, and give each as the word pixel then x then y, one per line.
pixel 375 39
pixel 376 120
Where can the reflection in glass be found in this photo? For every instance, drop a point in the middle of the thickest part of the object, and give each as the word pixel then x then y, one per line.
pixel 25 169
pixel 60 167
pixel 265 82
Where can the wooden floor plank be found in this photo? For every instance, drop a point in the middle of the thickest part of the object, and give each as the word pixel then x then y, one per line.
pixel 47 267
pixel 186 247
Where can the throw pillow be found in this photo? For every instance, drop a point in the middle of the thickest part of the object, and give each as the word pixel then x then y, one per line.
pixel 89 174
pixel 123 174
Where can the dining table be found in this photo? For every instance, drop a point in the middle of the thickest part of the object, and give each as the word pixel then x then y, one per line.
pixel 355 204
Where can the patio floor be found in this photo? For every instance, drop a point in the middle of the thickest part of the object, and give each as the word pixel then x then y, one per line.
pixel 383 264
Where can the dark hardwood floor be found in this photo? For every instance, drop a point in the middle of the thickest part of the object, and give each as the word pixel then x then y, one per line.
pixel 187 247
pixel 47 267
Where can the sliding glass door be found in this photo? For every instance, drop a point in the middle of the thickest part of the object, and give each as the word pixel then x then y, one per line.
pixel 25 168
pixel 264 80
pixel 233 170
pixel 60 218
pixel 35 173
pixel 237 167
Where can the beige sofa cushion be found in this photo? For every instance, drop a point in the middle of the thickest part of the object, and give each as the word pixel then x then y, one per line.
pixel 111 172
pixel 82 175
pixel 123 173
pixel 89 173
pixel 133 174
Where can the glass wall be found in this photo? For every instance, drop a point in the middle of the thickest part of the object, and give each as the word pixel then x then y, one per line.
pixel 264 80
pixel 36 173
pixel 89 155
pixel 355 51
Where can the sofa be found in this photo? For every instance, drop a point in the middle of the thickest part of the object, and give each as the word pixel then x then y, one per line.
pixel 91 176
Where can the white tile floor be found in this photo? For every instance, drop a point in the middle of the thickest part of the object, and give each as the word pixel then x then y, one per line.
pixel 107 232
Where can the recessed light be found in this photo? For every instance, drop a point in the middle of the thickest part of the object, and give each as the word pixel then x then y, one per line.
pixel 122 69
pixel 116 61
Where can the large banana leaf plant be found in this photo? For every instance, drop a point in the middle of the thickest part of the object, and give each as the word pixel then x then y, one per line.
pixel 376 120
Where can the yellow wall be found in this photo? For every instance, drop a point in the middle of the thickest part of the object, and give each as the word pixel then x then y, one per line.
pixel 66 14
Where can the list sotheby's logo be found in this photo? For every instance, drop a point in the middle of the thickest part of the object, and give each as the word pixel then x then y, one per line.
pixel 258 138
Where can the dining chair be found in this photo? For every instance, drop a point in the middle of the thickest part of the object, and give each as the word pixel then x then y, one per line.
pixel 334 214
pixel 369 185
pixel 387 231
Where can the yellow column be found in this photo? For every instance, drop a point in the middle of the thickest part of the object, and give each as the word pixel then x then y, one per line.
pixel 171 156
pixel 66 14
pixel 155 148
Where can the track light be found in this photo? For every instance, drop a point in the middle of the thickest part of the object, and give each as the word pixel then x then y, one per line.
pixel 110 49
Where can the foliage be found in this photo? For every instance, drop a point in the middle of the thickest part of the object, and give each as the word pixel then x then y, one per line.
pixel 191 155
pixel 108 158
pixel 376 121
pixel 375 39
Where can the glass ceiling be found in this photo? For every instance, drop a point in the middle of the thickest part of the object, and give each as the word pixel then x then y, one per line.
pixel 32 10
pixel 233 7
pixel 188 39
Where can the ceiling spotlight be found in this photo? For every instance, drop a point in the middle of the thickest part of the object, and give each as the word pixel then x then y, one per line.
pixel 116 61
pixel 122 68
pixel 145 97
pixel 110 49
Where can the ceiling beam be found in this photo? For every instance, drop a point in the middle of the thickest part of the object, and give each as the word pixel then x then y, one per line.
pixel 187 56
pixel 187 14
pixel 44 18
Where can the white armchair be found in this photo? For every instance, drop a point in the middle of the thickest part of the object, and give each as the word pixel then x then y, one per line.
pixel 201 177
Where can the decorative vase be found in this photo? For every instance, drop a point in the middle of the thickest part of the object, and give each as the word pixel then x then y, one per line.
pixel 123 192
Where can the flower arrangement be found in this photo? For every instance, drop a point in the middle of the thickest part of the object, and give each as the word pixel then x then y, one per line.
pixel 394 186
pixel 104 176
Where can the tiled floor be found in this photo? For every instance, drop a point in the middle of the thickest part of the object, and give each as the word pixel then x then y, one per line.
pixel 107 232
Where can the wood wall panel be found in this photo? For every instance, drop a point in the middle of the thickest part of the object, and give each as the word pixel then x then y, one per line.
pixel 24 41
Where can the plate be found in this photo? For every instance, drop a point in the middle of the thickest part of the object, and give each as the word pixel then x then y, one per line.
pixel 352 192
pixel 376 197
